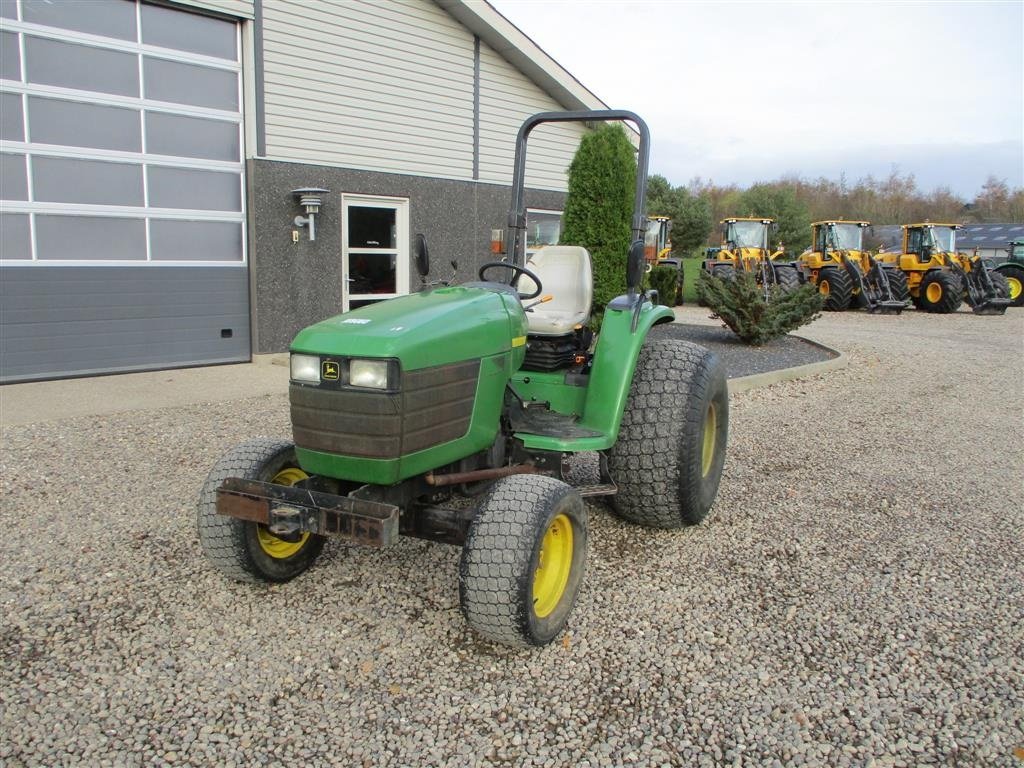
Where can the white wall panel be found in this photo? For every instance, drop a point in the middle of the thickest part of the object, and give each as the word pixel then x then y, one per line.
pixel 384 86
pixel 507 97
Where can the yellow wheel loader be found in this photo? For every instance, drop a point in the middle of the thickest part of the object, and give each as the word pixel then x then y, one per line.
pixel 939 278
pixel 657 244
pixel 846 274
pixel 745 248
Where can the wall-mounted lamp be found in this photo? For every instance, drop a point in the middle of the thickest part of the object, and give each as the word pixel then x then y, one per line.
pixel 310 199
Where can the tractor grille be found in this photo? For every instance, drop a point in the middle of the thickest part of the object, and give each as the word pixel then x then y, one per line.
pixel 434 406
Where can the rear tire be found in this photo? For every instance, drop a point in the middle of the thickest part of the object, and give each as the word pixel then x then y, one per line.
pixel 1015 283
pixel 940 292
pixel 523 560
pixel 668 459
pixel 243 550
pixel 835 287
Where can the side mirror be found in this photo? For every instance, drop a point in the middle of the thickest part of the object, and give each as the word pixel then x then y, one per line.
pixel 635 266
pixel 421 255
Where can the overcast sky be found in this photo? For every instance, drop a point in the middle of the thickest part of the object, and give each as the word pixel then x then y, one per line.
pixel 740 92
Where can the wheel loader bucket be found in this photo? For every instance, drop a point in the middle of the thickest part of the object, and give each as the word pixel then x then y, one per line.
pixel 981 292
pixel 993 306
pixel 873 292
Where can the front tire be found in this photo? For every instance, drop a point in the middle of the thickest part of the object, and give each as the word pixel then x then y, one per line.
pixel 668 459
pixel 835 287
pixel 1000 283
pixel 523 560
pixel 243 550
pixel 898 285
pixel 787 278
pixel 940 292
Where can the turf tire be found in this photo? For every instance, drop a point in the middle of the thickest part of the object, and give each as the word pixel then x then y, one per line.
pixel 501 554
pixel 657 461
pixel 233 545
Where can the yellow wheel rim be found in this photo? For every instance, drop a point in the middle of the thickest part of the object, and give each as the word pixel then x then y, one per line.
pixel 279 549
pixel 1015 287
pixel 824 288
pixel 553 566
pixel 707 454
pixel 933 292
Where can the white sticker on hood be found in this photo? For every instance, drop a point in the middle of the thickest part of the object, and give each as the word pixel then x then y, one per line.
pixel 355 321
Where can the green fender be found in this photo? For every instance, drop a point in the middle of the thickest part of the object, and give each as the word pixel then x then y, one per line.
pixel 618 347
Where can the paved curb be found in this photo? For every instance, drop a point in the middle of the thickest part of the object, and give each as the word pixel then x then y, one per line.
pixel 746 383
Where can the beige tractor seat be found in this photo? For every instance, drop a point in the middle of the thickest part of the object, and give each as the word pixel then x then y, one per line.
pixel 565 274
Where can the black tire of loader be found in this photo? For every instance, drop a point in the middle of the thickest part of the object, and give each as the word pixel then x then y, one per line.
pixel 898 284
pixel 232 545
pixel 949 300
pixel 787 278
pixel 840 288
pixel 657 460
pixel 501 554
pixel 1000 283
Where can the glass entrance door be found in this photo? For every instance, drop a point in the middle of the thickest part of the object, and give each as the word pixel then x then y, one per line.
pixel 375 249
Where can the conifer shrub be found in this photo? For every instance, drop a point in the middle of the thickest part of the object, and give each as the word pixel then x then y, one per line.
pixel 599 208
pixel 665 280
pixel 740 304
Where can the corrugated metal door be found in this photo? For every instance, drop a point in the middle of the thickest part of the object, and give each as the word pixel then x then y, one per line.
pixel 122 211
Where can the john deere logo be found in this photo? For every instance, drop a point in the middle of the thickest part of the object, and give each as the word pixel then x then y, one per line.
pixel 329 370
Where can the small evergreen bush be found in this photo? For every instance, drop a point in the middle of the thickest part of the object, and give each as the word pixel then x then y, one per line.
pixel 665 280
pixel 740 304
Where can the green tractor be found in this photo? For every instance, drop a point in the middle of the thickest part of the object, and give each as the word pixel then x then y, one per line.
pixel 1013 270
pixel 483 390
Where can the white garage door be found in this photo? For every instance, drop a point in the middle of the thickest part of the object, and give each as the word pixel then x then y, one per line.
pixel 122 196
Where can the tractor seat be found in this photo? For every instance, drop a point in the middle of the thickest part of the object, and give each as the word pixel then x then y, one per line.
pixel 565 274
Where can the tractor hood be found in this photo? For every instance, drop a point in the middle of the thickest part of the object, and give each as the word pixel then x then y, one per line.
pixel 436 327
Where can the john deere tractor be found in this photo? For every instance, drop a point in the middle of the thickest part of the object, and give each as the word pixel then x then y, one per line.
pixel 745 248
pixel 1013 271
pixel 846 274
pixel 485 390
pixel 939 279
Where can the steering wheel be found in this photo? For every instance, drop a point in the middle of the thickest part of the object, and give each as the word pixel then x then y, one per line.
pixel 518 270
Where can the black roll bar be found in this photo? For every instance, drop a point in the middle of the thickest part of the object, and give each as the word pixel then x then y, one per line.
pixel 515 245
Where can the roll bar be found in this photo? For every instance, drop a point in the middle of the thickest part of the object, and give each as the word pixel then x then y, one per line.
pixel 515 249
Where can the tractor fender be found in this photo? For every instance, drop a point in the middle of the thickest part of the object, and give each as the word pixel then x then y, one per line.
pixel 618 347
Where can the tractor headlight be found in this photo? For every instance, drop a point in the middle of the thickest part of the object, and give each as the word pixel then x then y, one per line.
pixel 305 368
pixel 368 373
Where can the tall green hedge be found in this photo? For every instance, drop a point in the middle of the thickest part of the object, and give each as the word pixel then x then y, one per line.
pixel 599 207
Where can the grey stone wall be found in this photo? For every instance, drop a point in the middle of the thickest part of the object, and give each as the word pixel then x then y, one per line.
pixel 297 284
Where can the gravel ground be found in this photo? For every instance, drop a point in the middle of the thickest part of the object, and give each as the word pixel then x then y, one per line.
pixel 741 359
pixel 855 597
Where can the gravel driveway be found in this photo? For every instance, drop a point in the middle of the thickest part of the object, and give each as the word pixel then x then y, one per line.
pixel 855 598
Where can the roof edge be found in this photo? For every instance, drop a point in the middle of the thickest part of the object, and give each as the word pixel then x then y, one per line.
pixel 483 20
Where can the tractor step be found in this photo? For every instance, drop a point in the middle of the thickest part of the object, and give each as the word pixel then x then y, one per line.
pixel 597 490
